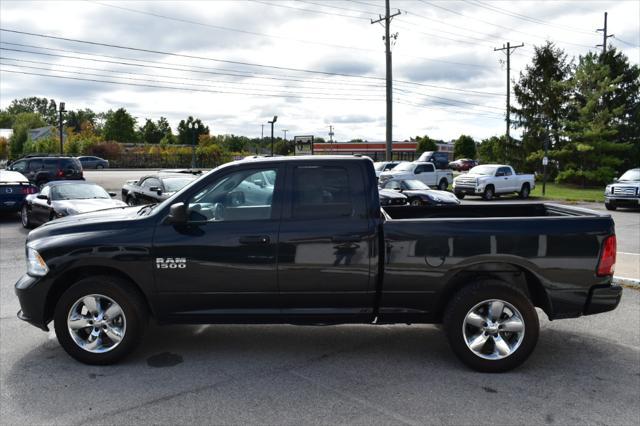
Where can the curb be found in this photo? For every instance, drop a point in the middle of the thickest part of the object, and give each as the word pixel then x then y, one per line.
pixel 631 282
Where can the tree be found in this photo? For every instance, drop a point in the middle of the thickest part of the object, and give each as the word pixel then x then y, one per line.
pixel 149 133
pixel 6 120
pixel 22 123
pixel 119 126
pixel 282 147
pixel 79 118
pixel 593 154
pixel 425 143
pixel 164 128
pixel 45 107
pixel 464 147
pixel 542 93
pixel 185 133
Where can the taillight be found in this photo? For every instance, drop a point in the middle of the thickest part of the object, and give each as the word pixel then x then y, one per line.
pixel 26 190
pixel 607 262
pixel 60 173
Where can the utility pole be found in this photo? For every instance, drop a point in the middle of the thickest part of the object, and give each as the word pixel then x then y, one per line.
pixel 262 132
pixel 285 134
pixel 508 48
pixel 387 42
pixel 605 36
pixel 272 122
pixel 61 130
pixel 330 134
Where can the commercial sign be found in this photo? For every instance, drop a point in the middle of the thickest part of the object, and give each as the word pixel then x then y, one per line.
pixel 303 145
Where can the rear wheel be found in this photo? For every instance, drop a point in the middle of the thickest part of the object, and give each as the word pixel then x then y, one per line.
pixel 99 166
pixel 489 193
pixel 492 326
pixel 100 319
pixel 524 191
pixel 25 218
pixel 442 186
pixel 610 206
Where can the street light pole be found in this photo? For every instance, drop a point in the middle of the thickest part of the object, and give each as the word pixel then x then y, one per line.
pixel 272 122
pixel 61 130
pixel 285 134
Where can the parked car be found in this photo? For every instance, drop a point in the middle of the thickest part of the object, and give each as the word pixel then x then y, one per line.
pixel 439 159
pixel 422 171
pixel 420 194
pixel 624 192
pixel 40 170
pixel 462 164
pixel 383 166
pixel 154 188
pixel 319 250
pixel 389 197
pixel 91 162
pixel 14 187
pixel 65 198
pixel 491 180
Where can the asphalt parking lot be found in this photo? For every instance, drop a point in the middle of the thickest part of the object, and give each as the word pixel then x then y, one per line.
pixel 584 370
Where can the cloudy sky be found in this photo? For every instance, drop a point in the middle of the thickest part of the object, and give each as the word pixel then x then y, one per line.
pixel 314 63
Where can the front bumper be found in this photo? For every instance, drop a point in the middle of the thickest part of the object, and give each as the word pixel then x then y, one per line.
pixel 468 189
pixel 603 298
pixel 32 295
pixel 622 201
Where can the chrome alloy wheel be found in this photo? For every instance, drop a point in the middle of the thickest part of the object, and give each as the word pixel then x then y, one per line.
pixel 493 329
pixel 96 323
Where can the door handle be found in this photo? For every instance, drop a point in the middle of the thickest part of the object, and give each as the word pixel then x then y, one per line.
pixel 346 238
pixel 254 239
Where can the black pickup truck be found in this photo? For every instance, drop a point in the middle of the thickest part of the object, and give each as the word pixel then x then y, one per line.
pixel 303 240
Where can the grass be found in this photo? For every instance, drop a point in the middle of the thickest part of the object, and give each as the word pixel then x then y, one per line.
pixel 555 191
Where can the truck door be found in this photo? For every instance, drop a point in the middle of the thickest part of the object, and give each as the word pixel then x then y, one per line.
pixel 326 241
pixel 222 262
pixel 426 173
pixel 504 180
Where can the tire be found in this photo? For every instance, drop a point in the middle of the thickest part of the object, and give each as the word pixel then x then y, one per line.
pixel 460 195
pixel 99 166
pixel 130 201
pixel 471 305
pixel 128 325
pixel 524 191
pixel 489 193
pixel 442 186
pixel 416 202
pixel 610 206
pixel 24 217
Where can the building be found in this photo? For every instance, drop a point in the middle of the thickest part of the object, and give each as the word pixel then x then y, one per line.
pixel 374 150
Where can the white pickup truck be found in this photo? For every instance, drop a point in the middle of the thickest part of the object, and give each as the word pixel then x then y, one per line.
pixel 490 180
pixel 423 171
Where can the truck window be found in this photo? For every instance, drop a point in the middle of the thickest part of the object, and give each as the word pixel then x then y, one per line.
pixel 239 196
pixel 321 192
pixel 425 168
pixel 504 171
pixel 35 164
pixel 19 166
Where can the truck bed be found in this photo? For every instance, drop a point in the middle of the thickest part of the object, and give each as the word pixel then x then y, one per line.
pixel 505 210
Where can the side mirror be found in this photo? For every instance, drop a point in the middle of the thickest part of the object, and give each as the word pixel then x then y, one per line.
pixel 397 189
pixel 112 194
pixel 615 179
pixel 156 189
pixel 177 213
pixel 42 197
pixel 417 172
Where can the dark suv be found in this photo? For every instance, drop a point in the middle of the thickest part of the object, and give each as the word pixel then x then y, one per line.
pixel 439 159
pixel 40 170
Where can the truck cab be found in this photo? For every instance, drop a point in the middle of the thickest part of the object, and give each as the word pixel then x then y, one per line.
pixel 423 171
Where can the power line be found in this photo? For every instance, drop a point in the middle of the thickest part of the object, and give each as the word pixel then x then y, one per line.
pixel 210 72
pixel 625 42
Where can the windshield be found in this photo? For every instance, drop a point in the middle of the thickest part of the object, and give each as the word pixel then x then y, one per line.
pixel 484 170
pixel 404 167
pixel 78 192
pixel 378 166
pixel 415 184
pixel 176 183
pixel 631 175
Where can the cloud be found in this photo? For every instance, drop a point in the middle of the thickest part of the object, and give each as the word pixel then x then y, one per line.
pixel 353 118
pixel 346 65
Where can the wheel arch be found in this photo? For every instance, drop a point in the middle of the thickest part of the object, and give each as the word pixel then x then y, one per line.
pixel 518 275
pixel 68 278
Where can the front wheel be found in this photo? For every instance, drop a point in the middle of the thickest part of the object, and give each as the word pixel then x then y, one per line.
pixel 99 166
pixel 489 193
pixel 610 206
pixel 416 202
pixel 492 326
pixel 131 201
pixel 24 217
pixel 460 195
pixel 442 186
pixel 100 319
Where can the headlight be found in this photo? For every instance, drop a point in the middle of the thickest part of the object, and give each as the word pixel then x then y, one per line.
pixel 36 266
